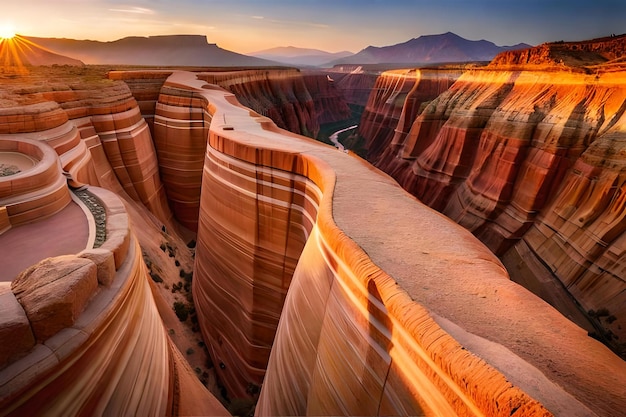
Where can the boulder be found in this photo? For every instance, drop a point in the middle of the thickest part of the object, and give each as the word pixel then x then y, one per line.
pixel 54 292
pixel 16 336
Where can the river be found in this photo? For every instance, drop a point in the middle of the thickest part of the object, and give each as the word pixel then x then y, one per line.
pixel 334 138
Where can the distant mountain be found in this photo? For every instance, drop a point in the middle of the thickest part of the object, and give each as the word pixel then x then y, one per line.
pixel 174 50
pixel 19 51
pixel 430 49
pixel 300 56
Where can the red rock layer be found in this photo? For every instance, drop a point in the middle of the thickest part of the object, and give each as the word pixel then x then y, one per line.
pixel 145 88
pixel 570 54
pixel 81 334
pixel 267 215
pixel 99 135
pixel 280 95
pixel 362 328
pixel 513 155
pixel 397 98
pixel 35 193
pixel 328 101
pixel 181 127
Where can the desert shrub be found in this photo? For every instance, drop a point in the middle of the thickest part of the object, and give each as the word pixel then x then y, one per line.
pixel 156 277
pixel 181 310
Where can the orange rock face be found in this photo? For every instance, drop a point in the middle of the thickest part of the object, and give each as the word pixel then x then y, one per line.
pixel 532 155
pixel 281 95
pixel 365 329
pixel 181 127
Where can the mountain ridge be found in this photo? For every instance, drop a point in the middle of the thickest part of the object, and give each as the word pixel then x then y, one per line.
pixel 294 55
pixel 182 50
pixel 430 49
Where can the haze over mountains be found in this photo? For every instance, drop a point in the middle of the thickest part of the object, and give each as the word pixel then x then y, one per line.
pixel 194 50
pixel 300 56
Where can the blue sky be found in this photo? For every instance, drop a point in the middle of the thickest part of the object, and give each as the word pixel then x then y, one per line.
pixel 332 25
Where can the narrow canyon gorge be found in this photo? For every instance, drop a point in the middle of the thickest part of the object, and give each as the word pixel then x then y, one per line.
pixel 178 242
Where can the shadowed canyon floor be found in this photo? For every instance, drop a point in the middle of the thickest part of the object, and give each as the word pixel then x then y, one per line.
pixel 316 277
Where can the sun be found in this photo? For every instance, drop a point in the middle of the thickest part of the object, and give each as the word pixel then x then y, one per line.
pixel 7 31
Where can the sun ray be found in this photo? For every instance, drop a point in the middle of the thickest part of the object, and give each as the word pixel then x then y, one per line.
pixel 10 55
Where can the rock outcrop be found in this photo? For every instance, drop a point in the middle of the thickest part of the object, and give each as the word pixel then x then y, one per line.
pixel 566 54
pixel 524 155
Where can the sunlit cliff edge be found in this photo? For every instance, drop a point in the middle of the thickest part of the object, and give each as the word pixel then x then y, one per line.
pixel 316 276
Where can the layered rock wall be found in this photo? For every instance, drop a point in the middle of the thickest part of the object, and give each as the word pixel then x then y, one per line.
pixel 81 334
pixel 366 329
pixel 181 127
pixel 99 135
pixel 328 100
pixel 354 82
pixel 280 95
pixel 533 155
pixel 397 98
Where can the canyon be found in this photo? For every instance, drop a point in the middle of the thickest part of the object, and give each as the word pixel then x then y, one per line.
pixel 321 285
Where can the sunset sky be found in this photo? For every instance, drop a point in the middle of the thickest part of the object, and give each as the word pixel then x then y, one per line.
pixel 332 25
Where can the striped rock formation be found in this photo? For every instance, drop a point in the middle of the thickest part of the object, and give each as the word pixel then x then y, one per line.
pixel 365 328
pixel 80 330
pixel 530 161
pixel 316 276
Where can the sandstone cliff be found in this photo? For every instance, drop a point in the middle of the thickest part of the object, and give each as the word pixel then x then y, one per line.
pixel 280 95
pixel 328 100
pixel 81 330
pixel 567 54
pixel 366 329
pixel 528 155
pixel 388 309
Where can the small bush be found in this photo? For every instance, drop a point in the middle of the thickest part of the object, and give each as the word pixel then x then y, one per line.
pixel 156 277
pixel 181 310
